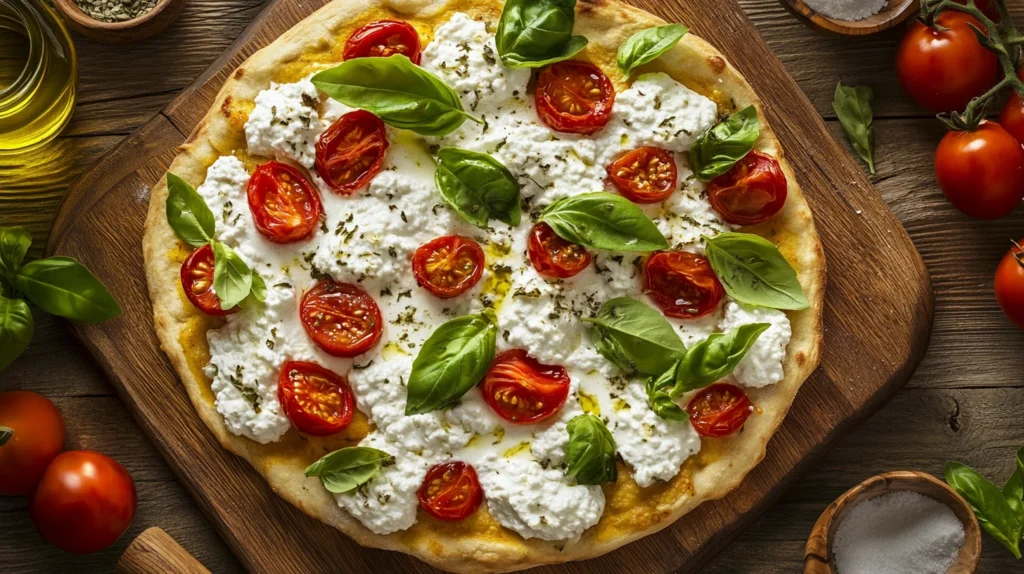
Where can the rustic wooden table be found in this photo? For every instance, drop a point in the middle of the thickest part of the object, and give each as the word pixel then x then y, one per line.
pixel 966 401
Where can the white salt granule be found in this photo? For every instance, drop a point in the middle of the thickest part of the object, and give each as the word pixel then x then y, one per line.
pixel 898 533
pixel 846 9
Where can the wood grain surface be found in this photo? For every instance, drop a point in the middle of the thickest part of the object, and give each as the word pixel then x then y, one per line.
pixel 964 402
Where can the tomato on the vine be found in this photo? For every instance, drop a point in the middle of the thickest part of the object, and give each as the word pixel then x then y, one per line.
pixel 383 38
pixel 197 281
pixel 752 191
pixel 523 390
pixel 33 434
pixel 987 7
pixel 450 491
pixel 719 410
pixel 1012 116
pixel 317 401
pixel 574 96
pixel 981 171
pixel 553 256
pixel 1009 284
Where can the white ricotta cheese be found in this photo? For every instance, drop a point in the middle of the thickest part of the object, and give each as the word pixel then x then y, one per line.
pixel 285 123
pixel 653 446
pixel 762 365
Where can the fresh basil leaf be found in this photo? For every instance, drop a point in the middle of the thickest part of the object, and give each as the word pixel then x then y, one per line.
pixel 64 287
pixel 661 402
pixel 852 105
pixel 347 469
pixel 398 92
pixel 16 329
pixel 714 358
pixel 187 212
pixel 1013 491
pixel 232 279
pixel 477 186
pixel 451 362
pixel 646 45
pixel 535 33
pixel 990 507
pixel 635 337
pixel 14 244
pixel 604 221
pixel 258 292
pixel 754 272
pixel 727 142
pixel 590 455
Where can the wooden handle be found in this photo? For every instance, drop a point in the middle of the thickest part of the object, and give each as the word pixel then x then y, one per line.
pixel 155 552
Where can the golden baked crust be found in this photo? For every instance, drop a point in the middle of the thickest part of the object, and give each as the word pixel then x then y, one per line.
pixel 479 543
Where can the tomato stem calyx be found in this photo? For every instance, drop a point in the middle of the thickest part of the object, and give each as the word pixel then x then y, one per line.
pixel 5 434
pixel 1017 250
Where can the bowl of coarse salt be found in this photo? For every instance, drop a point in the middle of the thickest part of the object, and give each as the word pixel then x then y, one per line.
pixel 901 522
pixel 852 17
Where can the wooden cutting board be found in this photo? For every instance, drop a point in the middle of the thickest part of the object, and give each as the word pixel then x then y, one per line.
pixel 878 316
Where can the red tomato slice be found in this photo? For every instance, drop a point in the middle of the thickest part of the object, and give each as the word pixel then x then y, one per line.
pixel 553 256
pixel 317 401
pixel 448 266
pixel 682 284
pixel 197 281
pixel 341 318
pixel 719 410
pixel 283 202
pixel 450 491
pixel 645 175
pixel 752 191
pixel 523 390
pixel 351 151
pixel 574 96
pixel 383 38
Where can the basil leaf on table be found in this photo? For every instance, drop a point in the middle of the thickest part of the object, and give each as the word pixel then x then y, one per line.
pixel 658 396
pixel 646 45
pixel 64 287
pixel 1013 491
pixel 535 33
pixel 397 91
pixel 852 105
pixel 715 151
pixel 187 213
pixel 753 271
pixel 232 278
pixel 635 337
pixel 451 362
pixel 477 186
pixel 590 455
pixel 604 220
pixel 714 358
pixel 16 328
pixel 347 469
pixel 14 244
pixel 994 513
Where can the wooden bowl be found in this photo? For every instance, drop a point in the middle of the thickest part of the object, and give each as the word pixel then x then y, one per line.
pixel 893 13
pixel 818 557
pixel 149 24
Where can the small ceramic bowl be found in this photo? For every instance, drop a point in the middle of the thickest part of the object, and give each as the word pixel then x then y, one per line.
pixel 149 24
pixel 893 13
pixel 818 557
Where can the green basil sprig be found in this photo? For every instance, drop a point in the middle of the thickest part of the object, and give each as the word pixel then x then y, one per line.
pixel 647 45
pixel 635 337
pixel 347 469
pixel 999 512
pixel 535 33
pixel 477 186
pixel 451 362
pixel 398 92
pixel 754 272
pixel 16 329
pixel 604 220
pixel 714 358
pixel 852 105
pixel 658 388
pixel 727 142
pixel 590 456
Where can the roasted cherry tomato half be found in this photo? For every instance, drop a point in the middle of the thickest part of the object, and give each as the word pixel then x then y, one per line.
pixel 34 434
pixel 574 96
pixel 283 202
pixel 644 175
pixel 682 284
pixel 450 491
pixel 197 281
pixel 317 401
pixel 384 38
pixel 448 266
pixel 1009 287
pixel 719 410
pixel 553 256
pixel 351 151
pixel 981 171
pixel 752 191
pixel 341 318
pixel 523 390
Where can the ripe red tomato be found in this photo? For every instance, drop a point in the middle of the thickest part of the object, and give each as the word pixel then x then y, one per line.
pixel 84 503
pixel 351 151
pixel 523 390
pixel 644 175
pixel 987 8
pixel 553 256
pixel 197 281
pixel 450 491
pixel 574 96
pixel 1012 116
pixel 719 410
pixel 383 38
pixel 943 69
pixel 284 204
pixel 751 192
pixel 682 284
pixel 1009 285
pixel 448 266
pixel 981 171
pixel 317 401
pixel 36 436
pixel 341 318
